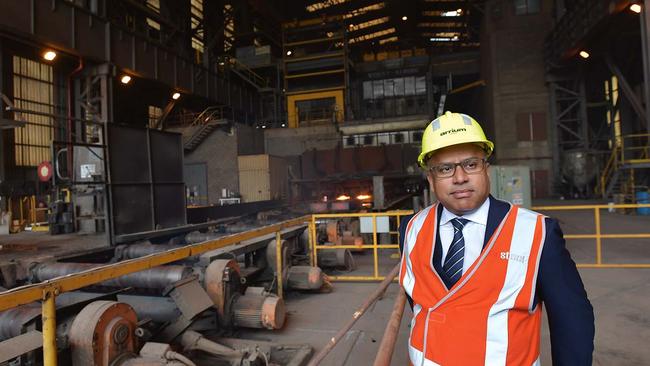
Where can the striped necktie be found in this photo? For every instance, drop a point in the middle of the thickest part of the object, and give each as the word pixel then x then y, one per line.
pixel 453 266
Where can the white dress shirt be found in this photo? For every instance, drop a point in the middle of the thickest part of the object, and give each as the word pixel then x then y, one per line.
pixel 473 233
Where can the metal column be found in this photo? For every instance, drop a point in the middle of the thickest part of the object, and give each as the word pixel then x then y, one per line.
pixel 645 52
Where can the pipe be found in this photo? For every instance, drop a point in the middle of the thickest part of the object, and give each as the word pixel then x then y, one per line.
pixel 175 356
pixel 13 321
pixel 357 314
pixel 154 278
pixel 49 327
pixel 144 249
pixel 387 345
pixel 73 73
pixel 191 340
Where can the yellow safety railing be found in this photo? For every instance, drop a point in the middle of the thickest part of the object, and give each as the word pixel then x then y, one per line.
pixel 633 149
pixel 375 246
pixel 599 235
pixel 47 291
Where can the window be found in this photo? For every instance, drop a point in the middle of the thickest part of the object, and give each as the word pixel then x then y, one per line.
pixel 531 126
pixel 33 84
pixel 196 23
pixel 396 87
pixel 154 26
pixel 154 115
pixel 523 7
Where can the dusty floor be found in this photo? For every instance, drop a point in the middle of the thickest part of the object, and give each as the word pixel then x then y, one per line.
pixel 621 297
pixel 621 300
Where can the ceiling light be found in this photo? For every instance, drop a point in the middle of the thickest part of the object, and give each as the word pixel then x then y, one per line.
pixel 49 55
pixel 584 54
pixel 125 79
pixel 176 95
pixel 635 8
pixel 289 52
pixel 343 197
pixel 362 197
pixel 405 17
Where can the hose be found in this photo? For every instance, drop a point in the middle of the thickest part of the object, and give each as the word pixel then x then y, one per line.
pixel 171 355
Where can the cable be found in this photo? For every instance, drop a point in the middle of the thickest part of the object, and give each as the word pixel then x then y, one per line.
pixel 171 355
pixel 266 360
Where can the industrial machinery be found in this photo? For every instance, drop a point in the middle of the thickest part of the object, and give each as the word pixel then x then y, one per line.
pixel 172 314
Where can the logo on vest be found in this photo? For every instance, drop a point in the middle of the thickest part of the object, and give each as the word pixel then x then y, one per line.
pixel 513 257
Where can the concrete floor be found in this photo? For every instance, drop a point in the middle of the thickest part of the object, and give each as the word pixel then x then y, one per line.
pixel 621 297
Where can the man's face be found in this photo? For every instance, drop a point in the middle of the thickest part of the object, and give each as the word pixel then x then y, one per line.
pixel 462 192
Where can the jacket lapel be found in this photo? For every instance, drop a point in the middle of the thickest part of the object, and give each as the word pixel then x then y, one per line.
pixel 496 213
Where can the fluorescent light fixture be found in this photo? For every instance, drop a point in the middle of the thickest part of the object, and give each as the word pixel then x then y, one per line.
pixel 635 8
pixel 452 13
pixel 49 55
pixel 176 95
pixel 125 79
pixel 584 54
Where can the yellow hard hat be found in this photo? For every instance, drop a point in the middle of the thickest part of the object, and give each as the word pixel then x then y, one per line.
pixel 452 129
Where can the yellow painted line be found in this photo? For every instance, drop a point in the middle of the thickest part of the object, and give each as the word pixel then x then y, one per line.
pixel 29 293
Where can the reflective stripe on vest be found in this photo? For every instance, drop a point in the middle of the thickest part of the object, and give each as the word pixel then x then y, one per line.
pixel 488 317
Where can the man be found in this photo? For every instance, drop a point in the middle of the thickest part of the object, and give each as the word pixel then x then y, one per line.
pixel 477 269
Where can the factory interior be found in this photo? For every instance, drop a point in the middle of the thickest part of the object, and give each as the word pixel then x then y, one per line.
pixel 222 182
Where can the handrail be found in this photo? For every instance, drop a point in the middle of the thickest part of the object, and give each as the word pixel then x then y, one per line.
pixel 48 290
pixel 618 158
pixel 375 245
pixel 598 235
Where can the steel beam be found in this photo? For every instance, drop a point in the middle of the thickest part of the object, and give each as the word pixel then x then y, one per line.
pixel 627 89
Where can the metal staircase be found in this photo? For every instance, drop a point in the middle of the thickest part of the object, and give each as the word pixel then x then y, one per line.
pixel 203 125
pixel 618 176
pixel 248 75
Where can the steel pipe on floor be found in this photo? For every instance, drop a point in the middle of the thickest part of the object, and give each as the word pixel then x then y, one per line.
pixel 387 345
pixel 318 358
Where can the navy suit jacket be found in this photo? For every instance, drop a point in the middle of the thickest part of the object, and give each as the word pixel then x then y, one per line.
pixel 559 287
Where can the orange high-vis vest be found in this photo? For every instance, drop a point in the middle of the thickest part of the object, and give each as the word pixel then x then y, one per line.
pixel 488 317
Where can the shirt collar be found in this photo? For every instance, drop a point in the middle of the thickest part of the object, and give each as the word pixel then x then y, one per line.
pixel 478 216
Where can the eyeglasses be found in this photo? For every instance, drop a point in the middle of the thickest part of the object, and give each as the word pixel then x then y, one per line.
pixel 470 166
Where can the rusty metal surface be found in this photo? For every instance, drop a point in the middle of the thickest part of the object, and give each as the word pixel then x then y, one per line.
pixel 214 283
pixel 304 278
pixel 103 332
pixel 154 278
